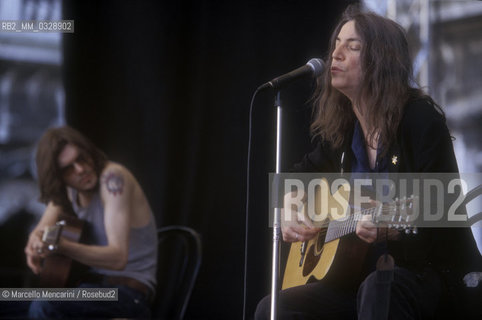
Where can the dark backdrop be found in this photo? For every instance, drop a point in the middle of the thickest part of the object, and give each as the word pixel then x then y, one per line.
pixel 164 88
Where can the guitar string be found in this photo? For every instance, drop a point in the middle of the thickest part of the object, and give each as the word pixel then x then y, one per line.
pixel 348 225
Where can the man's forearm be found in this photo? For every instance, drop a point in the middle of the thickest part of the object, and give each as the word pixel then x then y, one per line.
pixel 106 257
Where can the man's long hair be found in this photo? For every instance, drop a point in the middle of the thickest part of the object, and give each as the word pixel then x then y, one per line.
pixel 385 83
pixel 50 179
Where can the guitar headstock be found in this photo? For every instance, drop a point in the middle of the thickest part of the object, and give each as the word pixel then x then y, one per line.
pixel 52 234
pixel 399 214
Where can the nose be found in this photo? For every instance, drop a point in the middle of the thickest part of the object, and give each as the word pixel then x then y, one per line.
pixel 337 53
pixel 79 168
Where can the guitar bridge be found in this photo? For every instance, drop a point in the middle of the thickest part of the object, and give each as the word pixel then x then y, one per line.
pixel 302 253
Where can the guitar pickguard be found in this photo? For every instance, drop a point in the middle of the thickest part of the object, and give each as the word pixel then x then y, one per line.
pixel 313 254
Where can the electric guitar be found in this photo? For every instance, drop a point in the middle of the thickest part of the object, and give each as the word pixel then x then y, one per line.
pixel 336 254
pixel 56 270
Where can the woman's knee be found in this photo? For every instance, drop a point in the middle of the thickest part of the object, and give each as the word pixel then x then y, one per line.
pixel 263 309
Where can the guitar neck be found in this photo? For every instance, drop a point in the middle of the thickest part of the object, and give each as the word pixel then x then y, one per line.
pixel 342 227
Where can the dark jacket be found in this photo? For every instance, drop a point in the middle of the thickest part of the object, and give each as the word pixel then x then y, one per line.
pixel 423 145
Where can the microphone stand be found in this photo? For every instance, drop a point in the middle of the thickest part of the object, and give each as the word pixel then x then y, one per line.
pixel 276 218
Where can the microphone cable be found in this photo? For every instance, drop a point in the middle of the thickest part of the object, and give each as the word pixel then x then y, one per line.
pixel 250 129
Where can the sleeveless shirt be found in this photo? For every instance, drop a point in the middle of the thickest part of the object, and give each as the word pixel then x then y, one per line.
pixel 142 258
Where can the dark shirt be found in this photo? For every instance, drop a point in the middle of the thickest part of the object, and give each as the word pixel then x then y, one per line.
pixel 360 162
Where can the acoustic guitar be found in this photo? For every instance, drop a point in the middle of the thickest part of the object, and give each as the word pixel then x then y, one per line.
pixel 336 254
pixel 56 270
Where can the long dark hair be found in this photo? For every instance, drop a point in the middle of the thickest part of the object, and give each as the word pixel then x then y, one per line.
pixel 50 180
pixel 385 84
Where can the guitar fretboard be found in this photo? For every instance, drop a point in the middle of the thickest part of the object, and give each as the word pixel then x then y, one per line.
pixel 342 227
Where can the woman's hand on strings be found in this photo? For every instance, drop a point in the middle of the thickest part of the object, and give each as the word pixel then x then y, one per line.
pixel 295 225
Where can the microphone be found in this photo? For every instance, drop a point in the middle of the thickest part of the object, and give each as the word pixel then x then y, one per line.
pixel 314 67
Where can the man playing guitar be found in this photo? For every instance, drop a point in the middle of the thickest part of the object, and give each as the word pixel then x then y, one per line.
pixel 119 238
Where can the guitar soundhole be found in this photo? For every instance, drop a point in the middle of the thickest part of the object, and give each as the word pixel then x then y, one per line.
pixel 313 254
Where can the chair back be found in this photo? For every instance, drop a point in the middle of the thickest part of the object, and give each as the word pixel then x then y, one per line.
pixel 179 260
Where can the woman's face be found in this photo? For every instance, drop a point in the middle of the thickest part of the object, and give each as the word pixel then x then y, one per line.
pixel 345 65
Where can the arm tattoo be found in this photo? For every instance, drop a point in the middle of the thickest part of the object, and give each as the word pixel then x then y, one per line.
pixel 114 183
